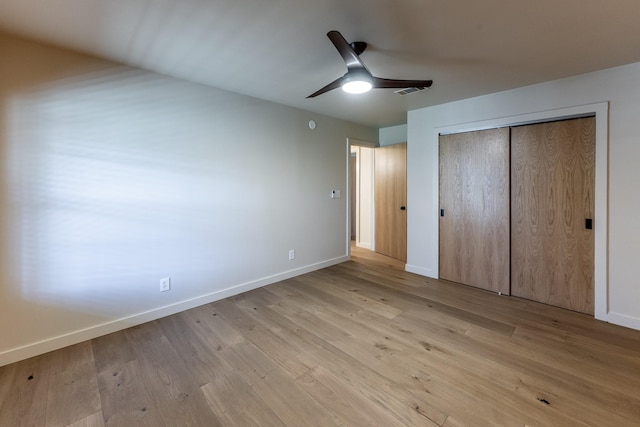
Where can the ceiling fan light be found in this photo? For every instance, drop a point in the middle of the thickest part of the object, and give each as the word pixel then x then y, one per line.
pixel 357 86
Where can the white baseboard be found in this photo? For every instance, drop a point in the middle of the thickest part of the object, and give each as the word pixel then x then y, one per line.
pixel 420 270
pixel 364 245
pixel 623 320
pixel 55 343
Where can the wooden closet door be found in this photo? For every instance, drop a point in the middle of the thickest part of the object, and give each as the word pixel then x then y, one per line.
pixel 390 176
pixel 552 179
pixel 474 197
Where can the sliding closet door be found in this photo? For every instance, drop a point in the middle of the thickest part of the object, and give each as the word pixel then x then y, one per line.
pixel 474 203
pixel 552 202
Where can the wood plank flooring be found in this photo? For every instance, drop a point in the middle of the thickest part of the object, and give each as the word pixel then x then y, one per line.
pixel 362 343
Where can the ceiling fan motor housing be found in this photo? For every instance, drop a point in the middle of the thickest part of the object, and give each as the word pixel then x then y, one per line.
pixel 359 47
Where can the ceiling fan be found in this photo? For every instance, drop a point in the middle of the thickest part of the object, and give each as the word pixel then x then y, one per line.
pixel 358 79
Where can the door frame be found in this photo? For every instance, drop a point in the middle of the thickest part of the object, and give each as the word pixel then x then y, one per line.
pixel 601 221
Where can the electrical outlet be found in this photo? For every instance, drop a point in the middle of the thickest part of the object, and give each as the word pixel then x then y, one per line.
pixel 165 284
pixel 292 254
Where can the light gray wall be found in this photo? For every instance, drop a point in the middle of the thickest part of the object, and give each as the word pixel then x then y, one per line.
pixel 615 96
pixel 113 178
pixel 392 135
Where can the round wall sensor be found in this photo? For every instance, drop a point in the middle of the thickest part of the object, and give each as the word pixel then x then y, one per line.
pixel 312 124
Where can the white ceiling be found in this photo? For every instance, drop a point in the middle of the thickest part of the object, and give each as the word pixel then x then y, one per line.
pixel 278 50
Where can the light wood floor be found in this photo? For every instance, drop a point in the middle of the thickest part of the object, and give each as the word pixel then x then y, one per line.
pixel 359 344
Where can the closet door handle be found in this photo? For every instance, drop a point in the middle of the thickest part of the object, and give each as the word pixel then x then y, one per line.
pixel 403 208
pixel 441 212
pixel 588 224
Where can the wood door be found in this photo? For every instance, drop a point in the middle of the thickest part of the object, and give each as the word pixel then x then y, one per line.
pixel 553 182
pixel 390 177
pixel 474 203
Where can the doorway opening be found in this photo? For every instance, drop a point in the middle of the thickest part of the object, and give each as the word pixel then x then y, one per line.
pixel 377 198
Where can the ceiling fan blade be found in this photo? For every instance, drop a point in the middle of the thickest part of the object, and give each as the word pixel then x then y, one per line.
pixel 333 85
pixel 349 55
pixel 399 84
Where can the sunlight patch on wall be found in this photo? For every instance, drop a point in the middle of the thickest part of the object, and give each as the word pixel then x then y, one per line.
pixel 113 186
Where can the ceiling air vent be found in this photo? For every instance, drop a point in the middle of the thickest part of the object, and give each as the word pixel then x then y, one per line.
pixel 409 90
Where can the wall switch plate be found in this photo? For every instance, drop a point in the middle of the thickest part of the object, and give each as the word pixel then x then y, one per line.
pixel 165 284
pixel 292 254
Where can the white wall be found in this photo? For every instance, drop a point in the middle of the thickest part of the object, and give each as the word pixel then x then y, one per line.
pixel 392 135
pixel 621 230
pixel 113 178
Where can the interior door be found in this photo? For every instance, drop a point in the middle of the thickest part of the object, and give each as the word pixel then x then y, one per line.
pixel 390 177
pixel 552 202
pixel 474 209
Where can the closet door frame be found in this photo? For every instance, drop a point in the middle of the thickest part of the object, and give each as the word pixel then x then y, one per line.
pixel 601 221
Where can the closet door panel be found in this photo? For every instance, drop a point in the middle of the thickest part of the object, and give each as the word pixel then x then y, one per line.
pixel 474 198
pixel 553 185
